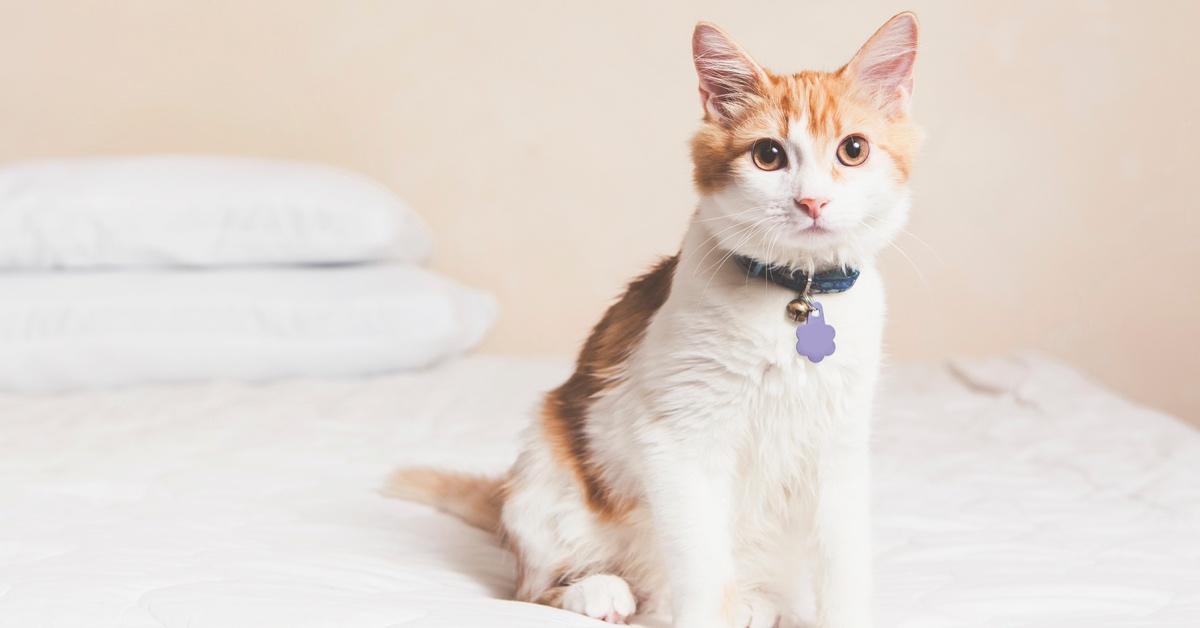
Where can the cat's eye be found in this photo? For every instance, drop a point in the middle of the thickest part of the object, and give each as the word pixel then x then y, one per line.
pixel 853 150
pixel 768 155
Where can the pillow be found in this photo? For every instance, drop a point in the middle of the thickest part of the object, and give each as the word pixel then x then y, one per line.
pixel 98 329
pixel 197 211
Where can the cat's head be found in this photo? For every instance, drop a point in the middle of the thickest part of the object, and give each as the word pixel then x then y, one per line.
pixel 808 168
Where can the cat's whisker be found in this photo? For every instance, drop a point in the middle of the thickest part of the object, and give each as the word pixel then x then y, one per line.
pixel 917 269
pixel 771 249
pixel 754 208
pixel 743 236
pixel 752 232
pixel 911 262
pixel 700 267
pixel 733 215
pixel 723 230
pixel 724 238
pixel 717 244
pixel 923 243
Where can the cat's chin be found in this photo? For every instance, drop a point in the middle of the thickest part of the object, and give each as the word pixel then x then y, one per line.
pixel 815 248
pixel 799 249
pixel 818 235
pixel 807 255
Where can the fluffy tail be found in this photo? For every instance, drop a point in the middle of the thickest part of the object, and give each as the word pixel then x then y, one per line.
pixel 475 499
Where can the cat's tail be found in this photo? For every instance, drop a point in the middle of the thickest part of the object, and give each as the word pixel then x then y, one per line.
pixel 475 499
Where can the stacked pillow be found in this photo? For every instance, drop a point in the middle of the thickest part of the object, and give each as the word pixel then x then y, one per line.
pixel 161 269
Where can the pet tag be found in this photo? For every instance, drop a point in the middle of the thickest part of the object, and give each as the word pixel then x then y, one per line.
pixel 814 337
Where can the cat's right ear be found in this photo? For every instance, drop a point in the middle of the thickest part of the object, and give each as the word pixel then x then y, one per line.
pixel 883 67
pixel 729 79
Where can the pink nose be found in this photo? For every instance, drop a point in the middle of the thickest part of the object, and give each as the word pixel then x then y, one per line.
pixel 812 206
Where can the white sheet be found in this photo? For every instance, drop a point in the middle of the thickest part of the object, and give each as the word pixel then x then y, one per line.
pixel 1009 494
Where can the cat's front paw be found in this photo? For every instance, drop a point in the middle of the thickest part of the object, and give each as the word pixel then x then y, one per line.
pixel 745 610
pixel 756 611
pixel 856 620
pixel 601 596
pixel 699 621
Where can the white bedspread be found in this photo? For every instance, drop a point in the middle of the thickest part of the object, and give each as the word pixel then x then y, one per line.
pixel 1009 494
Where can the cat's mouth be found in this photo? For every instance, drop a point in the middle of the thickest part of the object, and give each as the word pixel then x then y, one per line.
pixel 813 229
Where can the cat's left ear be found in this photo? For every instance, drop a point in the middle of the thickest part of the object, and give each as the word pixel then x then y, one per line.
pixel 883 67
pixel 730 81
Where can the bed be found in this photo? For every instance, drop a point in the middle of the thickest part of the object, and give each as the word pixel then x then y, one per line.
pixel 1009 492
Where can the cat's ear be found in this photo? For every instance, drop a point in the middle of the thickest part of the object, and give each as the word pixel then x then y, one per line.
pixel 883 67
pixel 729 79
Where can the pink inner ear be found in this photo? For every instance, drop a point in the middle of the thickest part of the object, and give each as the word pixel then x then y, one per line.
pixel 892 73
pixel 727 75
pixel 884 65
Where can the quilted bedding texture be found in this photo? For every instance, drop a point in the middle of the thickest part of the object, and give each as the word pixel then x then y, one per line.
pixel 1009 493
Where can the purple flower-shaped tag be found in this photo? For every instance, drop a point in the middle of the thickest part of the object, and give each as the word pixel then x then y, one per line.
pixel 814 338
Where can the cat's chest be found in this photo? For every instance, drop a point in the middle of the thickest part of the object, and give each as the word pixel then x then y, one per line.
pixel 732 356
pixel 757 339
pixel 788 403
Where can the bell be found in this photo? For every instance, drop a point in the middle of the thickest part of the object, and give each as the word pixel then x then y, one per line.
pixel 798 309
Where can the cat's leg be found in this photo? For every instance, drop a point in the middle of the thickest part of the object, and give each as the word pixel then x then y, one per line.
pixel 757 610
pixel 689 481
pixel 795 579
pixel 692 515
pixel 842 529
pixel 548 574
pixel 565 556
pixel 548 577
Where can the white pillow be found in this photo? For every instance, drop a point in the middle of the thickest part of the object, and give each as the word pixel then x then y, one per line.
pixel 97 329
pixel 197 211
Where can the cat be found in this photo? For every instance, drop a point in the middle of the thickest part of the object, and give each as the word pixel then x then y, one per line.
pixel 694 463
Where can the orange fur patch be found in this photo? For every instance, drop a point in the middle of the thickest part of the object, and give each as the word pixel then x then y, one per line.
pixel 600 365
pixel 475 499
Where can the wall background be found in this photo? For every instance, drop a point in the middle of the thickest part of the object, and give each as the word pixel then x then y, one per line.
pixel 546 143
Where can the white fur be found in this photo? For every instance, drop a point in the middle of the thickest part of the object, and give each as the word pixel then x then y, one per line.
pixel 751 460
pixel 758 217
pixel 749 463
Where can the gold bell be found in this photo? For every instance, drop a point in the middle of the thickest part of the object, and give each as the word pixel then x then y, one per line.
pixel 798 309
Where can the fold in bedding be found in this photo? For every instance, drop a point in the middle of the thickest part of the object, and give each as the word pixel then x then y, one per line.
pixel 1008 493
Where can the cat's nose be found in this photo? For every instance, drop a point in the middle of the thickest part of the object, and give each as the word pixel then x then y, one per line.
pixel 811 206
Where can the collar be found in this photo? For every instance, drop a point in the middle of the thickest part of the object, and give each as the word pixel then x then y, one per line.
pixel 829 281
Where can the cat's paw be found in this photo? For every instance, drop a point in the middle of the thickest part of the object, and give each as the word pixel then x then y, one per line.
pixel 739 610
pixel 600 596
pixel 756 611
pixel 849 622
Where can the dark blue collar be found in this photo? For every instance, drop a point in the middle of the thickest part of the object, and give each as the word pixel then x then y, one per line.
pixel 825 282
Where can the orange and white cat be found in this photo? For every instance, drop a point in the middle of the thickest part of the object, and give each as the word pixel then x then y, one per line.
pixel 694 462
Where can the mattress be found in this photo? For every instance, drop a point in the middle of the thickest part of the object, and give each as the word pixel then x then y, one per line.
pixel 1009 493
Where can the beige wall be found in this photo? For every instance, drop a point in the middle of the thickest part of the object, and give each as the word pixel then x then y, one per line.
pixel 546 144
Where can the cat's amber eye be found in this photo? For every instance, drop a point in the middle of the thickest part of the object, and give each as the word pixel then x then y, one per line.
pixel 853 150
pixel 768 154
